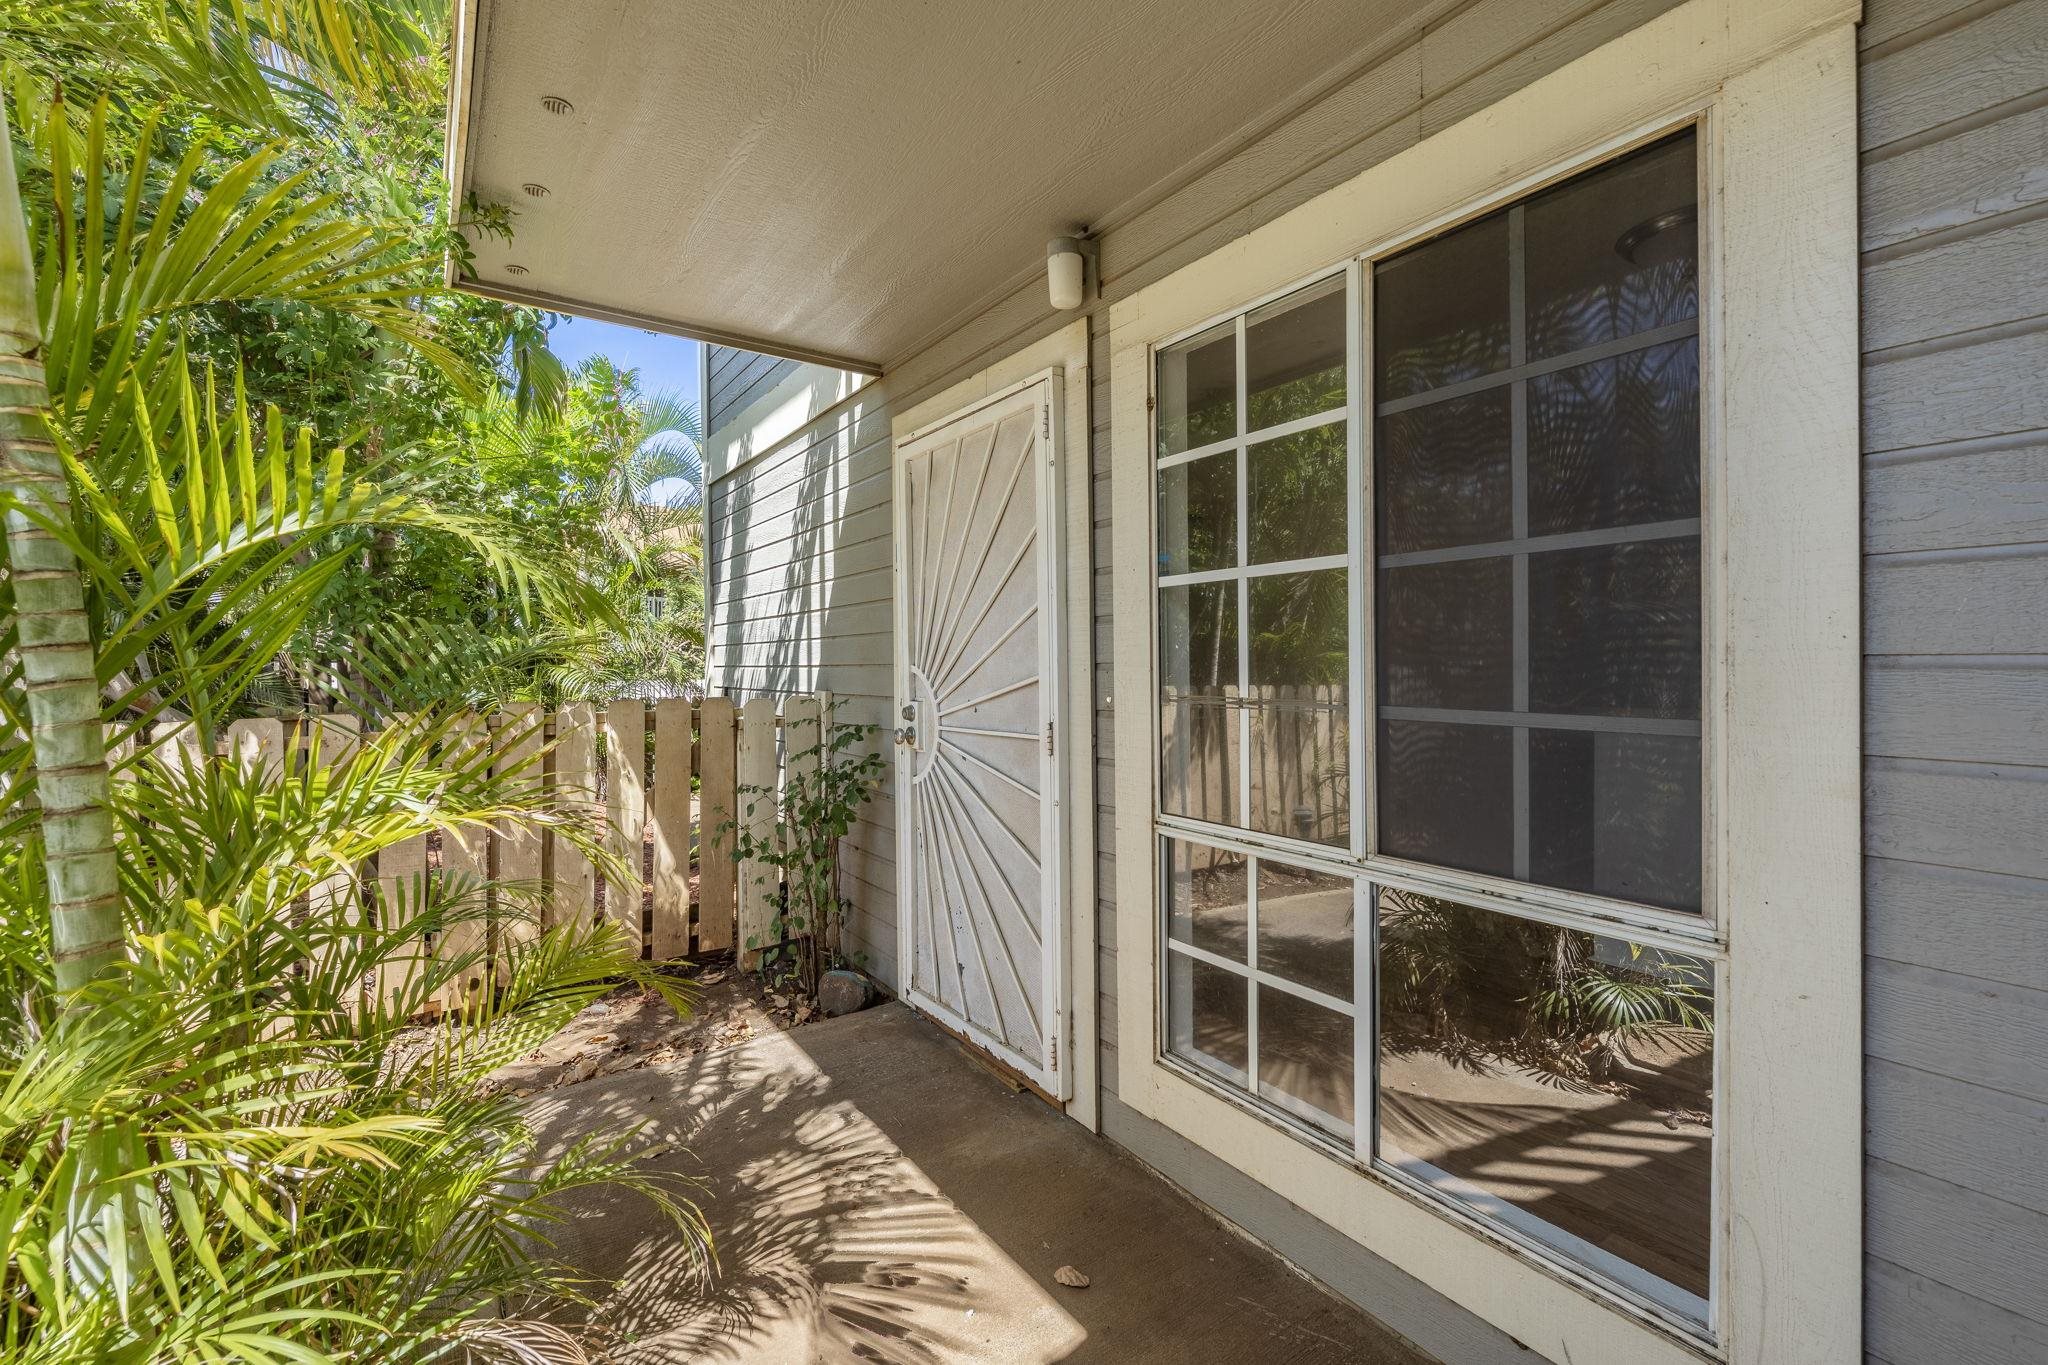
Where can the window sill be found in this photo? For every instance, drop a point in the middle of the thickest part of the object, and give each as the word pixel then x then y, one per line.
pixel 1693 1337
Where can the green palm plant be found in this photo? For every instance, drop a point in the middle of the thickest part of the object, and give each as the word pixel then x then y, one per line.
pixel 222 1136
pixel 1468 981
pixel 240 1149
pixel 626 505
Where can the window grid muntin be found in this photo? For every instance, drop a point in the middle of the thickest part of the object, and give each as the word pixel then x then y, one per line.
pixel 1237 447
pixel 1640 1288
pixel 1357 1145
pixel 1700 933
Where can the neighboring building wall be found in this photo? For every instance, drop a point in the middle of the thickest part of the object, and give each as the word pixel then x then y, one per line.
pixel 799 573
pixel 1955 434
pixel 737 378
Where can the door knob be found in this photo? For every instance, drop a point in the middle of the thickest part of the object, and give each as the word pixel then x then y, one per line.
pixel 906 734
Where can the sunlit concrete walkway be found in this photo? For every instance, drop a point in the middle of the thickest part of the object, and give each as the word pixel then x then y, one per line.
pixel 876 1196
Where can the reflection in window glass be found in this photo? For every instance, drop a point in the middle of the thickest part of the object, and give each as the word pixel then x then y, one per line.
pixel 1447 634
pixel 1445 471
pixel 1305 927
pixel 1294 356
pixel 1198 390
pixel 1207 902
pixel 1274 755
pixel 1299 1045
pixel 1614 630
pixel 1558 1079
pixel 1300 661
pixel 1447 794
pixel 1616 815
pixel 1440 311
pixel 1295 494
pixel 1615 442
pixel 1305 1059
pixel 1614 252
pixel 1198 515
pixel 1207 1011
pixel 1198 693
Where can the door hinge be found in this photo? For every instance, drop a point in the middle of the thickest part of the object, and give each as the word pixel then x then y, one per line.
pixel 1045 422
pixel 1055 1055
pixel 1048 739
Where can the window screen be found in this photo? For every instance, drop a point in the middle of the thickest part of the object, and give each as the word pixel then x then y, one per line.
pixel 1537 538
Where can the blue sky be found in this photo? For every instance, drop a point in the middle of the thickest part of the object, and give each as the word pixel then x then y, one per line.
pixel 664 362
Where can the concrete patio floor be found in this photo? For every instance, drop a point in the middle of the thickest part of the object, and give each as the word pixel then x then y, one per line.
pixel 877 1196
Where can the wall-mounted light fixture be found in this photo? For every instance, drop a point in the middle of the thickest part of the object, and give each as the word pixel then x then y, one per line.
pixel 1067 264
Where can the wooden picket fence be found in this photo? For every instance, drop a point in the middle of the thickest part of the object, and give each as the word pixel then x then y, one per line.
pixel 671 823
pixel 1296 746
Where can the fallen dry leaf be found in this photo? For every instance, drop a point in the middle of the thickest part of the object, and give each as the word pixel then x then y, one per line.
pixel 1070 1277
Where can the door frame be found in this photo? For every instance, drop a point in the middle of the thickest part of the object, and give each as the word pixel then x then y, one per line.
pixel 1059 360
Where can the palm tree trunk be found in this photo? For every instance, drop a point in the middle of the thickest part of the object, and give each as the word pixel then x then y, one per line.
pixel 56 644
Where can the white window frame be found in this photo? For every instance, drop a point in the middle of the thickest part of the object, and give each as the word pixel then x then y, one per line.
pixel 1771 85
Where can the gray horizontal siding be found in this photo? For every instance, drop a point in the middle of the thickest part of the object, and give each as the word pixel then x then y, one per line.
pixel 800 570
pixel 1955 333
pixel 736 378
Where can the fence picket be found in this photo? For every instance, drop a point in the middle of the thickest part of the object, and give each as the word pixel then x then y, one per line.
pixel 718 760
pixel 668 802
pixel 757 818
pixel 401 892
pixel 625 740
pixel 257 744
pixel 722 746
pixel 465 860
pixel 803 736
pixel 520 856
pixel 574 769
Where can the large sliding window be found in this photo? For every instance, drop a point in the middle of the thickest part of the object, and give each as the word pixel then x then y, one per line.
pixel 1486 974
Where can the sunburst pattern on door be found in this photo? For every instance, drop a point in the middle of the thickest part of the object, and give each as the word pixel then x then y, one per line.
pixel 975 748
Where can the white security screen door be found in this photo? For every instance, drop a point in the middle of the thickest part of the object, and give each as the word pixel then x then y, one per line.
pixel 978 764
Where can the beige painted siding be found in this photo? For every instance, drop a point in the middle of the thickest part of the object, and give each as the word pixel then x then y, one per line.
pixel 1955 335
